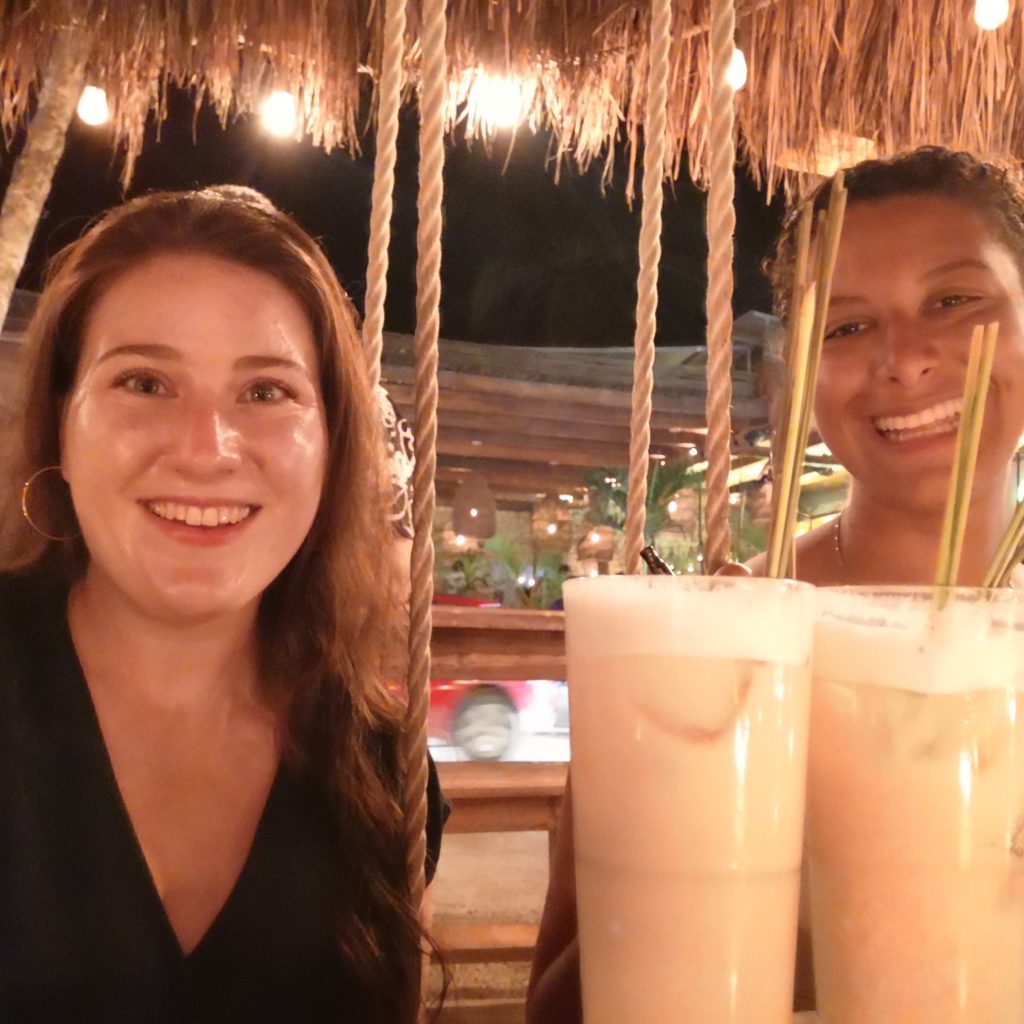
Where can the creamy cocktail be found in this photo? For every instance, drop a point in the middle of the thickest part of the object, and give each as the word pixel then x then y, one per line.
pixel 915 803
pixel 688 702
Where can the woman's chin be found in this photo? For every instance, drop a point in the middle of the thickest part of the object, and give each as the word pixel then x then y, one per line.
pixel 195 597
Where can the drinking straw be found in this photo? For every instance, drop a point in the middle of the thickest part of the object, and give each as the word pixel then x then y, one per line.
pixel 657 564
pixel 979 370
pixel 803 354
pixel 1009 552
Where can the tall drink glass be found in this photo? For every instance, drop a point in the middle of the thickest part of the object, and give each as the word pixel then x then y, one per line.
pixel 915 803
pixel 688 701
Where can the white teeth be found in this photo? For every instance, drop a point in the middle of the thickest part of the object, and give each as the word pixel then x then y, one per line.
pixel 194 515
pixel 944 415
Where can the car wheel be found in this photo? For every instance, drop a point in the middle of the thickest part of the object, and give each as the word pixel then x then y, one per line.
pixel 486 726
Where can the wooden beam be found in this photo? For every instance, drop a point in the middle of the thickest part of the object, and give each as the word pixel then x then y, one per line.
pixel 532 426
pixel 485 1010
pixel 512 477
pixel 675 404
pixel 485 942
pixel 498 444
pixel 497 643
pixel 568 412
pixel 588 455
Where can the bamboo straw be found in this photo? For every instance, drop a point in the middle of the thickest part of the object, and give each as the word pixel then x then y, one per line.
pixel 803 347
pixel 1008 554
pixel 795 364
pixel 979 370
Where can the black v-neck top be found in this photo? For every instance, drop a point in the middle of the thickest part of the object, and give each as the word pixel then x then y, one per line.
pixel 84 936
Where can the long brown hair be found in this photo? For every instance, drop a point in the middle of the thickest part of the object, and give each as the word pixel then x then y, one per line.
pixel 327 621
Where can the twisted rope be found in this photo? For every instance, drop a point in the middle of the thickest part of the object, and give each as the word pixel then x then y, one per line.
pixel 647 280
pixel 721 221
pixel 428 295
pixel 389 99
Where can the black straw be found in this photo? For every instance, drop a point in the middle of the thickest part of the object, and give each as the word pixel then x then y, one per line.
pixel 657 564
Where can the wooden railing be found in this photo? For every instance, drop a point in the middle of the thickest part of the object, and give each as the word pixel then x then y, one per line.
pixel 502 797
pixel 496 643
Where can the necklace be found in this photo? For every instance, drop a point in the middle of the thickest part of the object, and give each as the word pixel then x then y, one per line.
pixel 837 541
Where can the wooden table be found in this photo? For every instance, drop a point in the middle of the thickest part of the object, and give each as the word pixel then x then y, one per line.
pixel 498 797
pixel 503 796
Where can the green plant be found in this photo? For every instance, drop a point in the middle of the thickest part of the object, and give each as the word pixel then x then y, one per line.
pixel 608 490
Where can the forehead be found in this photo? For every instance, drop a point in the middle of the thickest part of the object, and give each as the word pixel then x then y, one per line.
pixel 201 304
pixel 913 233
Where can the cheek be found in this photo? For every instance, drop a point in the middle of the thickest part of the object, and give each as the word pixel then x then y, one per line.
pixel 830 398
pixel 302 452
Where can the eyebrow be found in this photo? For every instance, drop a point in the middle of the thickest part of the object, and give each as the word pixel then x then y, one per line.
pixel 970 264
pixel 148 351
pixel 168 352
pixel 945 268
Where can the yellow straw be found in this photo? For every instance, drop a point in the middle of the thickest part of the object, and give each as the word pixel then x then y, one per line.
pixel 979 370
pixel 1008 553
pixel 803 350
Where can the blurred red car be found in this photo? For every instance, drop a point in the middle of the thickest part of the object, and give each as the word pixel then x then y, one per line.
pixel 483 718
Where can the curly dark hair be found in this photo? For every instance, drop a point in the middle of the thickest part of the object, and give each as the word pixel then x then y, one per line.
pixel 995 191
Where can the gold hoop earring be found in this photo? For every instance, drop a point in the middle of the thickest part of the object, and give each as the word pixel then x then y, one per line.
pixel 28 515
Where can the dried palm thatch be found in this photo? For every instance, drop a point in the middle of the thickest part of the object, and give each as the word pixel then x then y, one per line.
pixel 823 73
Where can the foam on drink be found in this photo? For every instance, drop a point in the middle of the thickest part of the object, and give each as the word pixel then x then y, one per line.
pixel 689 701
pixel 915 797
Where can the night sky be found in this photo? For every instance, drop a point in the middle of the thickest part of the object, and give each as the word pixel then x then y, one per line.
pixel 525 261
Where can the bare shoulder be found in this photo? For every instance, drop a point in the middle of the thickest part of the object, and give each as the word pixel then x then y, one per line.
pixel 817 560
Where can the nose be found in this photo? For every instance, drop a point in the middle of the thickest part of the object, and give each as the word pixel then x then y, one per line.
pixel 907 352
pixel 207 442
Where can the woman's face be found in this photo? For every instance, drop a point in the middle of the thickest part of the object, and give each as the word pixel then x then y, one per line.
pixel 914 275
pixel 194 440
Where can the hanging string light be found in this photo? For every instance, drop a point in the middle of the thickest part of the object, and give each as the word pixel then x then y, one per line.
pixel 92 106
pixel 736 74
pixel 474 511
pixel 991 14
pixel 280 113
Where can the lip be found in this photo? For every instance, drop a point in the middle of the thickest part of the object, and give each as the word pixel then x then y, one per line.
pixel 198 535
pixel 932 411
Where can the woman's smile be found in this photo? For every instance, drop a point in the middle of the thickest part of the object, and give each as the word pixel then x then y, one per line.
pixel 890 388
pixel 197 405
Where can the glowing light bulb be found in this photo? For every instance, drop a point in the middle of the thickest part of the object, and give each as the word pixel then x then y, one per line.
pixel 673 507
pixel 594 537
pixel 92 106
pixel 552 528
pixel 473 513
pixel 460 541
pixel 734 499
pixel 990 14
pixel 736 73
pixel 693 453
pixel 280 113
pixel 498 100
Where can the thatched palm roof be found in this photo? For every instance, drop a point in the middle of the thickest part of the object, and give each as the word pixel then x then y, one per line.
pixel 895 72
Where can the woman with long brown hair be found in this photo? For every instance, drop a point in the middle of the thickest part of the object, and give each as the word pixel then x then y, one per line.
pixel 200 780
